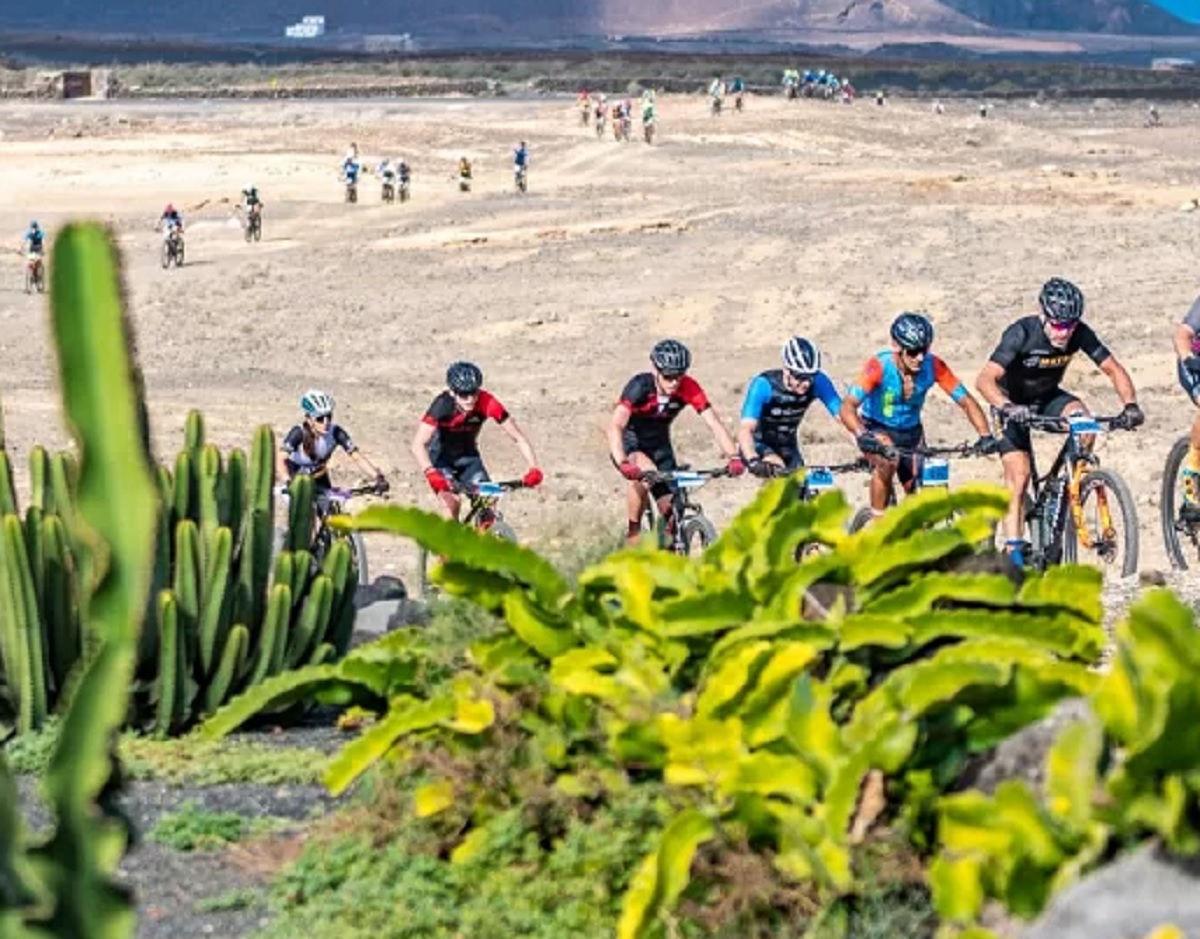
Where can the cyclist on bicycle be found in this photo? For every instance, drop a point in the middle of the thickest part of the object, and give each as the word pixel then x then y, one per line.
pixel 33 243
pixel 639 436
pixel 776 403
pixel 308 446
pixel 1187 350
pixel 1023 378
pixel 446 444
pixel 883 408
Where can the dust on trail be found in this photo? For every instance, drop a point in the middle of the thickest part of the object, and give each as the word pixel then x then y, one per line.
pixel 730 233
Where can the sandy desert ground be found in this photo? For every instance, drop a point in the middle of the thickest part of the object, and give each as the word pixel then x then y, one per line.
pixel 729 233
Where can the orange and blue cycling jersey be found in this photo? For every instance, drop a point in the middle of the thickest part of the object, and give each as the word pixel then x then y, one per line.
pixel 880 388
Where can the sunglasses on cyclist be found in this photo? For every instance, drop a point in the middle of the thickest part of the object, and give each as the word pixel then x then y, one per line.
pixel 916 353
pixel 800 376
pixel 1062 327
pixel 671 376
pixel 322 419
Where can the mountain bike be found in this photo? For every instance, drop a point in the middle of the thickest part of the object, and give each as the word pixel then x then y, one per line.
pixel 1071 506
pixel 254 224
pixel 1181 533
pixel 686 529
pixel 817 480
pixel 35 274
pixel 327 504
pixel 388 193
pixel 483 514
pixel 172 250
pixel 932 470
pixel 521 178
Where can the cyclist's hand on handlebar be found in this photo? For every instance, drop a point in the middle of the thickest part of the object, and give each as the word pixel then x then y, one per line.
pixel 381 484
pixel 869 443
pixel 437 482
pixel 1016 413
pixel 1130 417
pixel 533 477
pixel 736 465
pixel 986 445
pixel 631 471
pixel 1191 364
pixel 761 468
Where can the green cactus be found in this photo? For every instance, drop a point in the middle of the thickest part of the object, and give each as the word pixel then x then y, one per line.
pixel 21 612
pixel 60 607
pixel 214 610
pixel 8 495
pixel 193 432
pixel 300 512
pixel 232 662
pixel 172 656
pixel 40 495
pixel 210 471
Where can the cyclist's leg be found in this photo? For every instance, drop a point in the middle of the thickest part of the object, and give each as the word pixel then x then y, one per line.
pixel 780 459
pixel 1191 463
pixel 637 494
pixel 883 470
pixel 1016 445
pixel 1065 404
pixel 469 471
pixel 908 467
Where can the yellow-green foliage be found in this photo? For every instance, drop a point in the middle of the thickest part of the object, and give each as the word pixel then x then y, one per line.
pixel 1130 774
pixel 704 673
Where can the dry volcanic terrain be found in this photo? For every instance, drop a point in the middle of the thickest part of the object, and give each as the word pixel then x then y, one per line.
pixel 729 233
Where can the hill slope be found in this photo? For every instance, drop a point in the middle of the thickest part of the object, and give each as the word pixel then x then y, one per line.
pixel 474 19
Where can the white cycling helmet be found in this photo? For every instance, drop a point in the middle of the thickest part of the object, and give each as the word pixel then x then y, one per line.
pixel 316 403
pixel 801 357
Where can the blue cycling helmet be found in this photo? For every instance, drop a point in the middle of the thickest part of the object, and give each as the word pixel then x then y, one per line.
pixel 912 332
pixel 34 225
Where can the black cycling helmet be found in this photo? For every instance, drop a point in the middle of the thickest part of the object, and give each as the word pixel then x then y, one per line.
pixel 1061 301
pixel 464 377
pixel 671 356
pixel 912 332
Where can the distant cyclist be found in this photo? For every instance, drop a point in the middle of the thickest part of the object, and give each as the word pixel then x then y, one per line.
pixel 883 407
pixel 521 159
pixel 1023 377
pixel 33 243
pixel 776 403
pixel 170 222
pixel 639 435
pixel 308 446
pixel 446 444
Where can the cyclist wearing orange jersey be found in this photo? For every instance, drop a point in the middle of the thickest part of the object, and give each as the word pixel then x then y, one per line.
pixel 883 408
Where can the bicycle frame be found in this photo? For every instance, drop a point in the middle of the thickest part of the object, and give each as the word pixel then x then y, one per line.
pixel 1073 461
pixel 680 481
pixel 483 499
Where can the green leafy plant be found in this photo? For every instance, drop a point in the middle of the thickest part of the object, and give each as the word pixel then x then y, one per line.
pixel 708 676
pixel 1129 774
pixel 192 828
pixel 63 885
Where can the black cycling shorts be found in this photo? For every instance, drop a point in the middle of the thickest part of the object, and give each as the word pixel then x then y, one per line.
pixel 905 438
pixel 661 454
pixel 466 469
pixel 791 456
pixel 1014 437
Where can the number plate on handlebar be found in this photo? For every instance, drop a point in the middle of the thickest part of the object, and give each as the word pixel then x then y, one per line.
pixel 489 489
pixel 818 478
pixel 935 472
pixel 686 480
pixel 1084 424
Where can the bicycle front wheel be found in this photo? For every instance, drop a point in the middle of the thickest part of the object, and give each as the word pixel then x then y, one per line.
pixel 698 533
pixel 1109 538
pixel 1181 537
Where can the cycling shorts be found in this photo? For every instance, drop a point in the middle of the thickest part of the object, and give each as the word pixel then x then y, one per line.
pixel 904 438
pixel 1189 382
pixel 1014 437
pixel 466 469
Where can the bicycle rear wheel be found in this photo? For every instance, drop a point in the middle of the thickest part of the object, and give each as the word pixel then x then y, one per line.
pixel 1182 538
pixel 358 554
pixel 1104 497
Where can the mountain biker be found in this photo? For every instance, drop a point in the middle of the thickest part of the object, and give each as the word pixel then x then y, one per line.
pixel 350 169
pixel 1023 377
pixel 170 221
pixel 521 159
pixel 649 97
pixel 647 111
pixel 464 168
pixel 716 91
pixel 1187 351
pixel 639 435
pixel 33 242
pixel 776 403
pixel 387 172
pixel 890 393
pixel 252 204
pixel 307 447
pixel 446 444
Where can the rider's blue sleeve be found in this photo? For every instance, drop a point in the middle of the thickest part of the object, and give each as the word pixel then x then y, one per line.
pixel 757 396
pixel 828 394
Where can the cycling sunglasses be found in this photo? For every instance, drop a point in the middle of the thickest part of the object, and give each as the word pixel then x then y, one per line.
pixel 322 419
pixel 671 376
pixel 801 376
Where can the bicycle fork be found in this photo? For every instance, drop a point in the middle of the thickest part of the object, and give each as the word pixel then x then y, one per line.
pixel 1104 541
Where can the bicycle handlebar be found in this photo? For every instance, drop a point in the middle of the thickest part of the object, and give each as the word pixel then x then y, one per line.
pixel 1062 424
pixel 657 476
pixel 475 489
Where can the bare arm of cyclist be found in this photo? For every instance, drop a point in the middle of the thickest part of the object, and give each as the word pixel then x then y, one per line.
pixel 359 457
pixel 1120 379
pixel 719 432
pixel 514 431
pixel 745 437
pixel 957 392
pixel 1184 336
pixel 616 430
pixel 988 384
pixel 420 445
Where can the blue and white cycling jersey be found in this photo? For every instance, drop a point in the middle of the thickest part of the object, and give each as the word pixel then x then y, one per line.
pixel 779 410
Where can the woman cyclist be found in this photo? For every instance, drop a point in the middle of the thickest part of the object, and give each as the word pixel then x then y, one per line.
pixel 307 447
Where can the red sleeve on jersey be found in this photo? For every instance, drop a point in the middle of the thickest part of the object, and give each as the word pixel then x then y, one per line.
pixel 488 406
pixel 872 375
pixel 690 392
pixel 944 376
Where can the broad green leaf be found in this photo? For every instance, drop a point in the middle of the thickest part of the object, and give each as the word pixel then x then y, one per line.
pixel 544 634
pixel 464 545
pixel 730 679
pixel 700 751
pixel 1074 587
pixel 404 716
pixel 277 690
pixel 471 716
pixel 772 774
pixel 432 798
pixel 922 593
pixel 811 730
pixel 1071 772
pixel 664 874
pixel 957 886
pixel 858 630
pixel 708 612
pixel 473 846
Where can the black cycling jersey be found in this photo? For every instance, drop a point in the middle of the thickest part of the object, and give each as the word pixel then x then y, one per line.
pixel 1034 369
pixel 651 411
pixel 301 460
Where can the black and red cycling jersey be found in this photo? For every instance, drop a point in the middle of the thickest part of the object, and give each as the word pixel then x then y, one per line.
pixel 652 411
pixel 458 430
